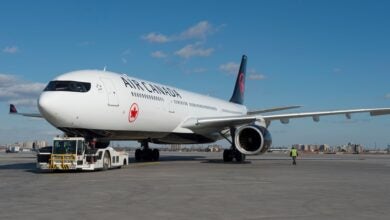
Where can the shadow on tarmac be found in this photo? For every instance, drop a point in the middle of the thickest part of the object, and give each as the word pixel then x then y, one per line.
pixel 220 161
pixel 29 167
pixel 173 158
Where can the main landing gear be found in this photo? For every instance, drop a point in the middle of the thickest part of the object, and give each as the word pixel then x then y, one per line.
pixel 146 154
pixel 232 153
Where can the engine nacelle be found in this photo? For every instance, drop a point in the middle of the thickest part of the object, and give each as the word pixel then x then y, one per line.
pixel 252 139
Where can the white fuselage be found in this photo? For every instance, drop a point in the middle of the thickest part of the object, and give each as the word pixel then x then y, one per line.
pixel 119 107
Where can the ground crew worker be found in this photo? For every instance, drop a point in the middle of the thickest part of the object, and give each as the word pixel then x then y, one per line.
pixel 294 154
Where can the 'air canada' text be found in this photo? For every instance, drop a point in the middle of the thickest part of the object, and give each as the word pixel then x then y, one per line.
pixel 151 88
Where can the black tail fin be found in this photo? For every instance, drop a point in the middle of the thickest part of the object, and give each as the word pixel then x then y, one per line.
pixel 12 109
pixel 239 89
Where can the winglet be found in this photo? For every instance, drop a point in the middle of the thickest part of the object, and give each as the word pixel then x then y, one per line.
pixel 12 109
pixel 239 89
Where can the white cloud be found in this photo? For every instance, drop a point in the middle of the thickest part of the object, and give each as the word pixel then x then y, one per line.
pixel 21 90
pixel 124 60
pixel 198 31
pixel 14 90
pixel 24 102
pixel 387 96
pixel 155 38
pixel 126 52
pixel 6 80
pixel 256 77
pixel 11 49
pixel 230 67
pixel 191 50
pixel 199 70
pixel 158 54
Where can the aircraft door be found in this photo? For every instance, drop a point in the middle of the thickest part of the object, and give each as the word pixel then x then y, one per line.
pixel 112 97
pixel 171 107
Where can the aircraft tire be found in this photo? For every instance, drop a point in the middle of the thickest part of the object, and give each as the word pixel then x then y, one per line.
pixel 147 154
pixel 138 155
pixel 106 161
pixel 155 154
pixel 239 156
pixel 227 155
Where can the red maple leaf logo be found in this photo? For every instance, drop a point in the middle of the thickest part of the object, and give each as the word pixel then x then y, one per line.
pixel 133 112
pixel 241 83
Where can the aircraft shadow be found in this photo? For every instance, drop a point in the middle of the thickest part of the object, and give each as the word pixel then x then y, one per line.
pixel 173 158
pixel 220 161
pixel 29 167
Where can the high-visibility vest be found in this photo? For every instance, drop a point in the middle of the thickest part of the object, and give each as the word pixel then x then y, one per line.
pixel 294 152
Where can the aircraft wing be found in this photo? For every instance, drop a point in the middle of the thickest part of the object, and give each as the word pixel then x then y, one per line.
pixel 14 111
pixel 229 121
pixel 261 111
pixel 316 115
pixel 219 122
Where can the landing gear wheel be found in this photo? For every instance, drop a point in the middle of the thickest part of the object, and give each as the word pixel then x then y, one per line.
pixel 155 154
pixel 147 154
pixel 106 161
pixel 239 156
pixel 227 155
pixel 138 155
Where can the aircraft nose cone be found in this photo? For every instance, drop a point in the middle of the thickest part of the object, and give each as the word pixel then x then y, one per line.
pixel 46 106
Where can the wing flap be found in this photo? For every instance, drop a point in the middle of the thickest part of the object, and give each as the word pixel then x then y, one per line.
pixel 218 122
pixel 380 112
pixel 261 111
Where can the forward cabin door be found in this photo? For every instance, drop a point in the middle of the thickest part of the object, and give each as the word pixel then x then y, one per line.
pixel 112 97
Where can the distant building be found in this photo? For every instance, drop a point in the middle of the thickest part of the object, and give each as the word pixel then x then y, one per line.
pixel 175 147
pixel 324 148
pixel 30 144
pixel 312 147
pixel 214 148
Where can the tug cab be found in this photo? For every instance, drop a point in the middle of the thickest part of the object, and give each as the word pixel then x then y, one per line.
pixel 73 153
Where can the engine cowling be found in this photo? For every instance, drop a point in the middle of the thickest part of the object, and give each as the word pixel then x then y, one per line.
pixel 252 139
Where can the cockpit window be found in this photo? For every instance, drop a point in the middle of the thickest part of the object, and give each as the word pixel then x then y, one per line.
pixel 69 86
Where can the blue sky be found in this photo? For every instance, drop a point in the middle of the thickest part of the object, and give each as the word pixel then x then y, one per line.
pixel 323 55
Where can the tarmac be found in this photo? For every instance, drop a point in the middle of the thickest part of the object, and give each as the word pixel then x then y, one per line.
pixel 200 186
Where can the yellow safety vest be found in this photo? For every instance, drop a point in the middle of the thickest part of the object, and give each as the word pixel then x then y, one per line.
pixel 294 152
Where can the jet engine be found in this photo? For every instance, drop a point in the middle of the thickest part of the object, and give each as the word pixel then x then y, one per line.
pixel 252 139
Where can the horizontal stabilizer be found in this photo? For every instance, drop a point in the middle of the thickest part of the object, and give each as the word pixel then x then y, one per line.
pixel 14 111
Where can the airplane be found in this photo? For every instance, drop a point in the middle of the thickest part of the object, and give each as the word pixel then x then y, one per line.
pixel 102 106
